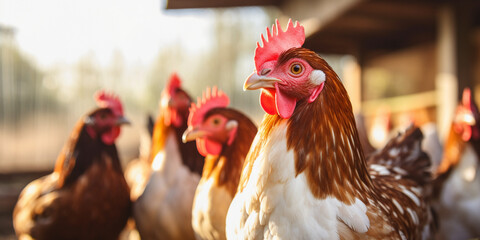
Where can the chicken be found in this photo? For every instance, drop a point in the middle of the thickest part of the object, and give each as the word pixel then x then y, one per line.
pixel 457 183
pixel 86 196
pixel 431 144
pixel 305 176
pixel 164 209
pixel 223 136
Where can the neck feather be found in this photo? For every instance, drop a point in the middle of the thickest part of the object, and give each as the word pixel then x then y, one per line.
pixel 325 140
pixel 190 156
pixel 327 148
pixel 159 136
pixel 80 152
pixel 227 167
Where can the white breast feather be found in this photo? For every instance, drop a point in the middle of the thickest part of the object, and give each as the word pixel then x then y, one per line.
pixel 167 200
pixel 210 210
pixel 355 215
pixel 277 205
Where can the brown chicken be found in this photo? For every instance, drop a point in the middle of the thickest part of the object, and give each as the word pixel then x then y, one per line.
pixel 223 136
pixel 86 197
pixel 306 176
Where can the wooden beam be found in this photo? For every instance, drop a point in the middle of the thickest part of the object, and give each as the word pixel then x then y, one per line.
pixel 402 39
pixel 401 104
pixel 331 44
pixel 463 45
pixel 378 27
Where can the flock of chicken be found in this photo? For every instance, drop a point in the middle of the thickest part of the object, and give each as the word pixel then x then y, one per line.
pixel 303 174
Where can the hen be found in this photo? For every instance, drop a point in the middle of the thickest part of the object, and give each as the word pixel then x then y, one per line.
pixel 164 209
pixel 305 176
pixel 223 136
pixel 86 197
pixel 457 183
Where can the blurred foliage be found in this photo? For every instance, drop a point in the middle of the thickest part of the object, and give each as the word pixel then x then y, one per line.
pixel 22 93
pixel 43 105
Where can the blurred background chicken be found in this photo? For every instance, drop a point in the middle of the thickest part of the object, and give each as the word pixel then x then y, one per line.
pixel 164 208
pixel 223 135
pixel 306 176
pixel 171 104
pixel 457 182
pixel 86 197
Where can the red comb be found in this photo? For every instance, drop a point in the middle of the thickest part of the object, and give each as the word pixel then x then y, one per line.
pixel 105 99
pixel 213 98
pixel 173 84
pixel 278 41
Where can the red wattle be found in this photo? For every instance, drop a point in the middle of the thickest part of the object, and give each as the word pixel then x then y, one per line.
pixel 109 137
pixel 467 133
pixel 267 101
pixel 173 118
pixel 285 105
pixel 273 101
pixel 177 120
pixel 206 147
pixel 201 147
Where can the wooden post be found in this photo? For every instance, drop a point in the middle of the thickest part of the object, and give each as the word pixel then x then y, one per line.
pixel 454 64
pixel 352 74
pixel 463 10
pixel 446 78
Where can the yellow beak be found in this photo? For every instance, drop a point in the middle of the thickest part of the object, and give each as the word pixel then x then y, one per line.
pixel 254 81
pixel 192 133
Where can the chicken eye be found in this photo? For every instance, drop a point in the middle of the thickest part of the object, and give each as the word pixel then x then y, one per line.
pixel 216 121
pixel 103 115
pixel 296 68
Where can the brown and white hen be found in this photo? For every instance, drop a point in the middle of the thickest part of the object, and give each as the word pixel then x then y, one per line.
pixel 223 135
pixel 305 176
